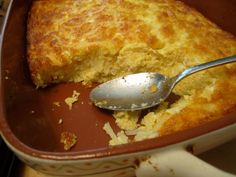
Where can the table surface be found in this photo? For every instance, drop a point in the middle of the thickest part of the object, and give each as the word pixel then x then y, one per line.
pixel 223 157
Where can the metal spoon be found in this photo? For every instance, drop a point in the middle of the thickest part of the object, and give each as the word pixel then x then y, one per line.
pixel 143 90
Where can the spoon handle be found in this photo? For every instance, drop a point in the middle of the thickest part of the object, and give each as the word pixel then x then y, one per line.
pixel 204 66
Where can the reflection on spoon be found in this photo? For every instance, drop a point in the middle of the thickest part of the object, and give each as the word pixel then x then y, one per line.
pixel 143 90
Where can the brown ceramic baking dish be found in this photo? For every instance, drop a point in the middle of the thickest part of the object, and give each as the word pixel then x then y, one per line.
pixel 29 119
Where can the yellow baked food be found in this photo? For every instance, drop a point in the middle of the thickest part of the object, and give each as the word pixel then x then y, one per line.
pixel 94 41
pixel 98 40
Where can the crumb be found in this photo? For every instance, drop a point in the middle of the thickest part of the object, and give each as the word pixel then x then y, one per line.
pixel 143 133
pixel 126 120
pixel 133 106
pixel 6 77
pixel 120 138
pixel 153 88
pixel 60 121
pixel 71 100
pixel 82 102
pixel 32 111
pixel 57 103
pixel 144 104
pixel 68 139
pixel 101 103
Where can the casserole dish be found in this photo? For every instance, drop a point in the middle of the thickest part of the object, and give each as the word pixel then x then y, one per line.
pixel 30 121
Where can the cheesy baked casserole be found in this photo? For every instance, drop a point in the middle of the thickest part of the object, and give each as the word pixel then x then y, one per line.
pixel 97 40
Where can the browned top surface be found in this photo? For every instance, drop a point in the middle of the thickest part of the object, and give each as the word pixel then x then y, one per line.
pixel 61 33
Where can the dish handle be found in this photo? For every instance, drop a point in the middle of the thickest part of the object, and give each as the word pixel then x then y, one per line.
pixel 177 163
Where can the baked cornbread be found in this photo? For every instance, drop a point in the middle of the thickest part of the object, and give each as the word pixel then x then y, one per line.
pixel 95 41
pixel 92 40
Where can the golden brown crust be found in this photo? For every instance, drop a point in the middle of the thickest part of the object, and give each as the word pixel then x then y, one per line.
pixel 64 32
pixel 93 41
pixel 203 110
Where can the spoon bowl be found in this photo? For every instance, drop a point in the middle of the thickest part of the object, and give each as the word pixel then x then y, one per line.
pixel 143 90
pixel 132 92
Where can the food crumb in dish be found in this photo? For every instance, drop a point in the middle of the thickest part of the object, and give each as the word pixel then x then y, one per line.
pixel 57 103
pixel 71 100
pixel 32 111
pixel 144 132
pixel 118 139
pixel 6 77
pixel 127 120
pixel 68 139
